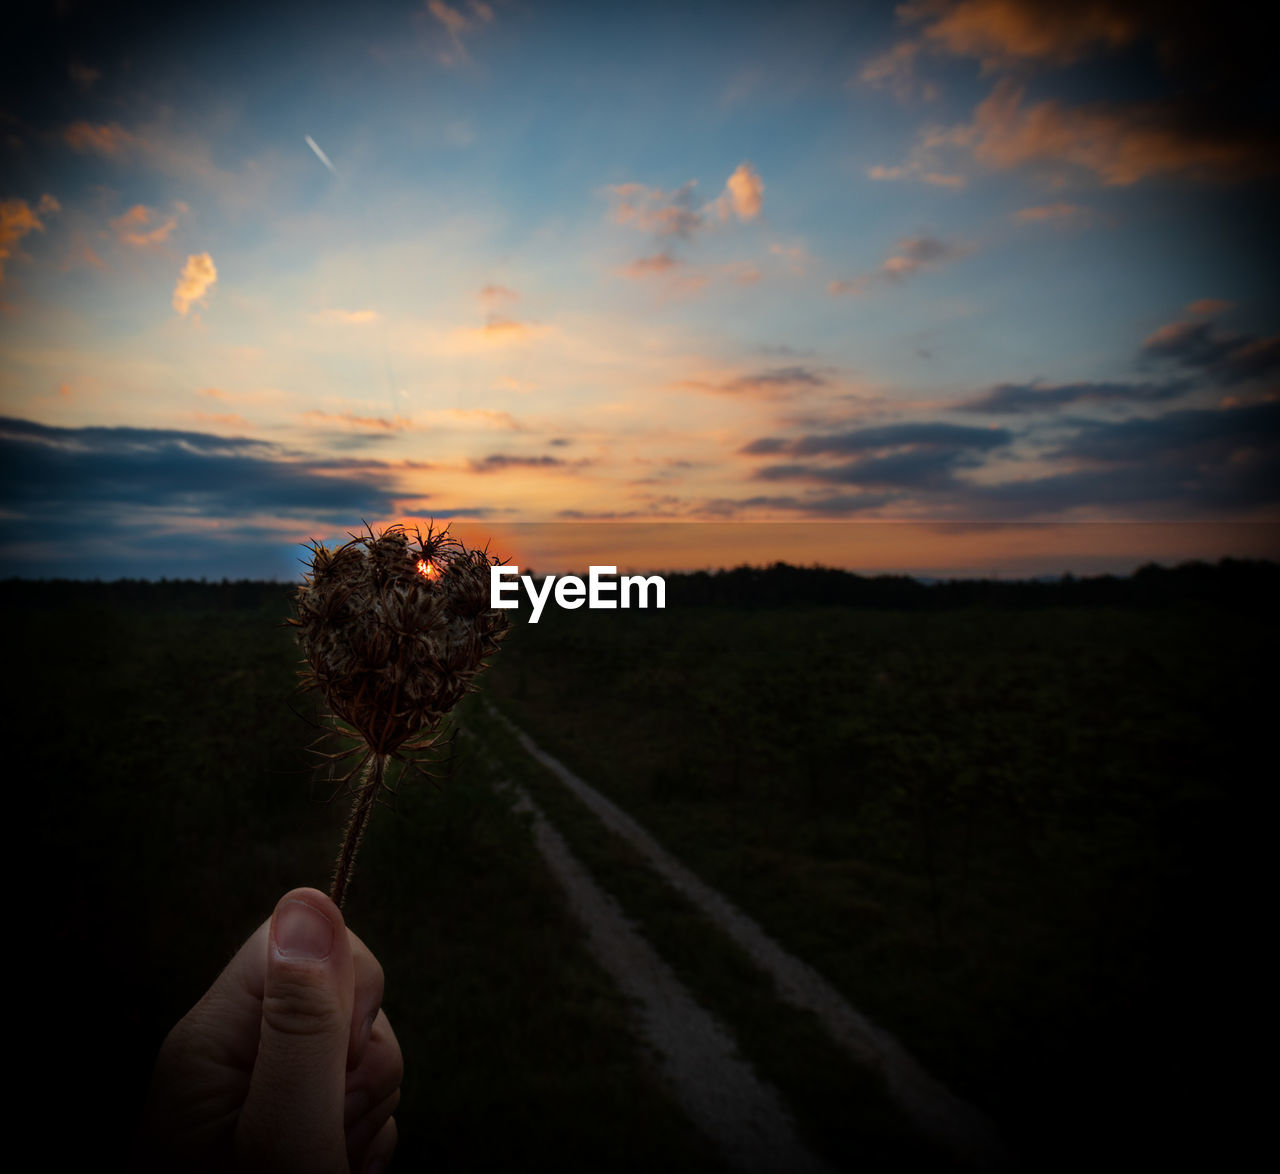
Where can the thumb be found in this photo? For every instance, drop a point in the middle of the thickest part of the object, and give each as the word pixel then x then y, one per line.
pixel 292 1118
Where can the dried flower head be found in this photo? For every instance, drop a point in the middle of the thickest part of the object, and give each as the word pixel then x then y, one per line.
pixel 393 630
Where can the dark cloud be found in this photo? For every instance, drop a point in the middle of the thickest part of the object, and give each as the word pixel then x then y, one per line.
pixel 912 255
pixel 773 381
pixel 1166 489
pixel 1193 436
pixel 1017 398
pixel 1182 464
pixel 104 545
pixel 919 469
pixel 823 505
pixel 776 379
pixel 498 460
pixel 917 435
pixel 766 445
pixel 427 510
pixel 922 456
pixel 56 470
pixel 925 434
pixel 1225 357
pixel 111 502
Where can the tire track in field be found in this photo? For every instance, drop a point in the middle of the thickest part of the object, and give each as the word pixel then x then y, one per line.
pixel 948 1121
pixel 716 1087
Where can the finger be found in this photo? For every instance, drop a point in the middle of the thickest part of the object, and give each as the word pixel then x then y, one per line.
pixel 293 1116
pixel 379 1073
pixel 224 1023
pixel 202 1073
pixel 368 998
pixel 382 1149
pixel 362 1134
pixel 373 1089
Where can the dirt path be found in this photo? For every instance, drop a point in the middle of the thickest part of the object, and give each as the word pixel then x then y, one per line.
pixel 950 1122
pixel 716 1087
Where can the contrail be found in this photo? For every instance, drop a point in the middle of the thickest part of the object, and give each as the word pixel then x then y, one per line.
pixel 320 154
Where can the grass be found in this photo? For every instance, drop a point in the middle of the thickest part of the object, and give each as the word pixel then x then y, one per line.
pixel 174 806
pixel 841 1110
pixel 1027 842
pixel 1007 836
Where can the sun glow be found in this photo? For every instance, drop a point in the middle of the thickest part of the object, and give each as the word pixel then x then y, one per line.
pixel 427 570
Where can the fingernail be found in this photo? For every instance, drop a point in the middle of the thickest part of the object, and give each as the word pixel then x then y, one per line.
pixel 303 933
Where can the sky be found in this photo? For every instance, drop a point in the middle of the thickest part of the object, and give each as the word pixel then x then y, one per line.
pixel 953 287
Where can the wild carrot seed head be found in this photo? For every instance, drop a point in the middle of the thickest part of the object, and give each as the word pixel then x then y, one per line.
pixel 394 629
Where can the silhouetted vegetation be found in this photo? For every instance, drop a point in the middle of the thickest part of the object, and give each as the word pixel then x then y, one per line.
pixel 1231 582
pixel 1018 823
pixel 1246 583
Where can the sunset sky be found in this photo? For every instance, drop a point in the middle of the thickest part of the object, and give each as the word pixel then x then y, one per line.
pixel 925 287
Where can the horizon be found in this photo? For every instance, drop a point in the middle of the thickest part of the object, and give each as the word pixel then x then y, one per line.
pixel 538 573
pixel 971 273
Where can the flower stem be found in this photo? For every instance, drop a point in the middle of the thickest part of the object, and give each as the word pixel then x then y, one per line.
pixel 370 784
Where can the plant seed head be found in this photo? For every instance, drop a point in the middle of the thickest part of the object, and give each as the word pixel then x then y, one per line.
pixel 393 630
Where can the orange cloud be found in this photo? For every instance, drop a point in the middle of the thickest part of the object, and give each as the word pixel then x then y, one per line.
pixel 197 278
pixel 506 328
pixel 492 295
pixel 1120 145
pixel 653 210
pixel 743 194
pixel 1005 32
pixel 649 266
pixel 17 218
pixel 141 226
pixel 497 331
pixel 674 214
pixel 456 22
pixel 110 140
pixel 350 420
pixel 1208 307
pixel 453 20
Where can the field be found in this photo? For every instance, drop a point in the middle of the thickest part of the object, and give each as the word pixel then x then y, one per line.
pixel 1023 838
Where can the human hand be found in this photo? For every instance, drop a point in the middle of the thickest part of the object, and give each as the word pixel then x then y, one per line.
pixel 287 1063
